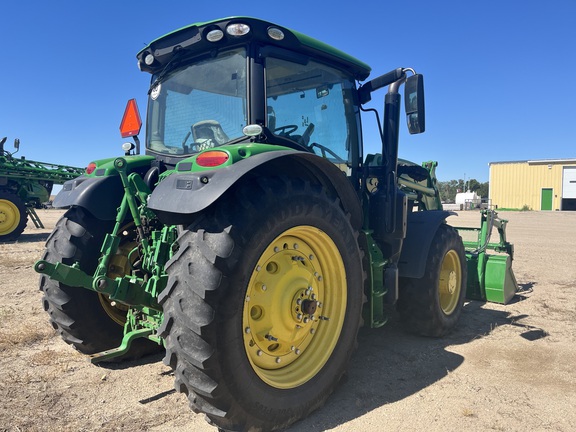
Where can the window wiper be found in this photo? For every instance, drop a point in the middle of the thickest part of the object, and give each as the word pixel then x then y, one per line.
pixel 165 71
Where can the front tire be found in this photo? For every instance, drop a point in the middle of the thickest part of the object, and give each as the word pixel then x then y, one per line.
pixel 431 305
pixel 263 305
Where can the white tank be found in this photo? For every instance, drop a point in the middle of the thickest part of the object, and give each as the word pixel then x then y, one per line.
pixel 470 199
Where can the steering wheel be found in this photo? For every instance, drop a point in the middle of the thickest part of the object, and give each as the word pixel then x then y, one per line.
pixel 286 130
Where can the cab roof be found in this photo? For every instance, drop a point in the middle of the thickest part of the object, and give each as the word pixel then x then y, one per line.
pixel 192 39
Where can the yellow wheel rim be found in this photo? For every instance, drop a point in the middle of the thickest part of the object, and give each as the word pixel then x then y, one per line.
pixel 120 265
pixel 294 307
pixel 450 283
pixel 9 217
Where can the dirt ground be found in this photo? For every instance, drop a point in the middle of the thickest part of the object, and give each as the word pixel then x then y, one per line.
pixel 505 368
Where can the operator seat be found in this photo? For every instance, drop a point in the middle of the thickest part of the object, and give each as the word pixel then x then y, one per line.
pixel 208 133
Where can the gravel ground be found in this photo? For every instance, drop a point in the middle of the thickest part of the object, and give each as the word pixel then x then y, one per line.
pixel 506 367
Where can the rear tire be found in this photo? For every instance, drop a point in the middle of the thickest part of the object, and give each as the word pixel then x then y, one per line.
pixel 13 216
pixel 83 318
pixel 431 305
pixel 242 328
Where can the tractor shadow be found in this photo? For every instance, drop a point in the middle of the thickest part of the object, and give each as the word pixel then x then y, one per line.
pixel 391 365
pixel 31 238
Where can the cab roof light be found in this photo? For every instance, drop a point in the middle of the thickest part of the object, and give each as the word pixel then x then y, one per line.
pixel 275 33
pixel 212 158
pixel 149 59
pixel 215 35
pixel 238 29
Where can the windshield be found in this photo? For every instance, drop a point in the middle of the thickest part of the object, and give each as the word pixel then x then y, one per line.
pixel 200 106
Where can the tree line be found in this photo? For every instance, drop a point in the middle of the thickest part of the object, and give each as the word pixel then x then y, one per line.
pixel 449 189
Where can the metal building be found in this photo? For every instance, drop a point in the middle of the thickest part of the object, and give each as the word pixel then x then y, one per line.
pixel 548 184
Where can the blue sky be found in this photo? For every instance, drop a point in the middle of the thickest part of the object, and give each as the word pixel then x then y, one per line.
pixel 498 74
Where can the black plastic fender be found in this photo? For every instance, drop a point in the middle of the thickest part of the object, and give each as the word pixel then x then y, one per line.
pixel 101 196
pixel 422 227
pixel 183 194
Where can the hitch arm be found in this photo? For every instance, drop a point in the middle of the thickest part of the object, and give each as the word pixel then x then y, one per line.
pixel 119 289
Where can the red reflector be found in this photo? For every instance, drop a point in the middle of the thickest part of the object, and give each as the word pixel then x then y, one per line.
pixel 90 168
pixel 131 123
pixel 212 158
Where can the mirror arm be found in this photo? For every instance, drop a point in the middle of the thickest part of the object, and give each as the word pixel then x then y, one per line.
pixel 365 92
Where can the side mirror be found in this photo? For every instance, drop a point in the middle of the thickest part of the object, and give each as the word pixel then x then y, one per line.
pixel 17 144
pixel 414 103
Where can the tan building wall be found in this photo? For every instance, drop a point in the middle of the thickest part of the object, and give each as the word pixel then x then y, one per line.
pixel 518 184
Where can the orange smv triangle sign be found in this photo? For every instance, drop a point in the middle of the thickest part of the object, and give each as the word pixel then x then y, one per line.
pixel 131 122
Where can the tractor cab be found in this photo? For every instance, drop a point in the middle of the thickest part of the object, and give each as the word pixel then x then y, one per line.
pixel 242 80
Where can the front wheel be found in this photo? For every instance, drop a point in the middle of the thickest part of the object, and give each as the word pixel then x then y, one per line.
pixel 431 305
pixel 13 216
pixel 263 306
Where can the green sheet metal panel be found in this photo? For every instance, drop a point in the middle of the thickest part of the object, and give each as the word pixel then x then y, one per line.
pixel 500 283
pixel 473 288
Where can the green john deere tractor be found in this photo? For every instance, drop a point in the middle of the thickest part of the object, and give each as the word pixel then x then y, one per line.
pixel 25 185
pixel 255 237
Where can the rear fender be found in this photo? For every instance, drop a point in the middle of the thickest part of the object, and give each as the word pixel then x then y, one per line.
pixel 183 194
pixel 422 227
pixel 101 196
pixel 100 193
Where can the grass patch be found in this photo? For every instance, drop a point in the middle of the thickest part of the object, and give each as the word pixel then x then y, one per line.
pixel 27 334
pixel 524 208
pixel 44 357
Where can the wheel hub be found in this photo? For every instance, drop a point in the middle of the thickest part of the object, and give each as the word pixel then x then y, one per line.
pixel 288 331
pixel 282 303
pixel 309 306
pixel 450 282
